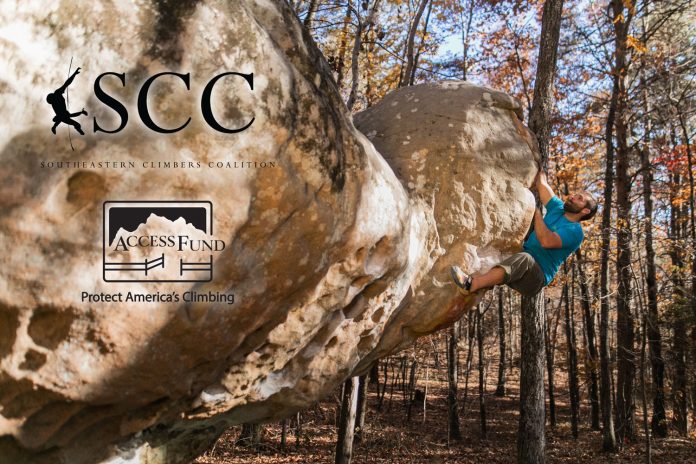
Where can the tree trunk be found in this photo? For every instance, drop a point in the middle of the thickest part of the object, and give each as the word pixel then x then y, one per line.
pixel 648 451
pixel 412 78
pixel 608 435
pixel 482 373
pixel 466 30
pixel 381 392
pixel 531 439
pixel 411 386
pixel 681 411
pixel 395 378
pixel 500 389
pixel 355 63
pixel 425 392
pixel 250 436
pixel 410 41
pixel 357 45
pixel 679 391
pixel 659 422
pixel 514 326
pixel 471 328
pixel 370 34
pixel 310 13
pixel 625 397
pixel 361 408
pixel 452 407
pixel 284 435
pixel 402 368
pixel 344 444
pixel 374 373
pixel 692 229
pixel 572 362
pixel 539 116
pixel 343 47
pixel 298 429
pixel 592 355
pixel 550 352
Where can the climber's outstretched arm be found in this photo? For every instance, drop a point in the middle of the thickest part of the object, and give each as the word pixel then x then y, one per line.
pixel 543 187
pixel 62 88
pixel 547 238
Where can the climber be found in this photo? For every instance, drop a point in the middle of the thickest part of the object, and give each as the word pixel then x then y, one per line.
pixel 556 235
pixel 56 100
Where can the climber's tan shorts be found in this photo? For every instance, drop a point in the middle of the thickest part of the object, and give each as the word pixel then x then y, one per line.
pixel 522 273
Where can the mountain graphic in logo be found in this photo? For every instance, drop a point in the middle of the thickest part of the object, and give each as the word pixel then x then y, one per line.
pixel 130 218
pixel 148 241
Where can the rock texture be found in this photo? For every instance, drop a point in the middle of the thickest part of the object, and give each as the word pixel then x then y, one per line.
pixel 462 150
pixel 336 255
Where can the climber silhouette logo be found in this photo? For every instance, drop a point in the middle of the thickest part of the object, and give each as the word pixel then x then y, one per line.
pixel 159 241
pixel 60 106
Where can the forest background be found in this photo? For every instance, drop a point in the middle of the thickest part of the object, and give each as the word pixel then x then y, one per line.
pixel 620 317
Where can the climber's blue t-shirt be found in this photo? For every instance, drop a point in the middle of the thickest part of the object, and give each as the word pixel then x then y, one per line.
pixel 550 259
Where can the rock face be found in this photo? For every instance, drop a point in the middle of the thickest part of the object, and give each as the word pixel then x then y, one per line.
pixel 462 150
pixel 336 255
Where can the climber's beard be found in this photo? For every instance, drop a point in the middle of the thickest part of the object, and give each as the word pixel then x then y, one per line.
pixel 569 207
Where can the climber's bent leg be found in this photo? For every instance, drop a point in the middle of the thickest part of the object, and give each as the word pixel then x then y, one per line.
pixel 519 271
pixel 490 279
pixel 76 125
pixel 522 273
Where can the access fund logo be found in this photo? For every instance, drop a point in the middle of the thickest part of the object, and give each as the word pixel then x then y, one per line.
pixel 159 241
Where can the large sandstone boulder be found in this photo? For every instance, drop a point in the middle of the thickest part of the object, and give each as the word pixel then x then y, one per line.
pixel 463 151
pixel 334 257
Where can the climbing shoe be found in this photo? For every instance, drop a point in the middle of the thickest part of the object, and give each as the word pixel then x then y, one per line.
pixel 461 279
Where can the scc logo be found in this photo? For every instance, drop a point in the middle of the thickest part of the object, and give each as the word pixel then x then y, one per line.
pixel 59 103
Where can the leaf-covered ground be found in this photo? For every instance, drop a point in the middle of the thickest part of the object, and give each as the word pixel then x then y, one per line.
pixel 390 438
